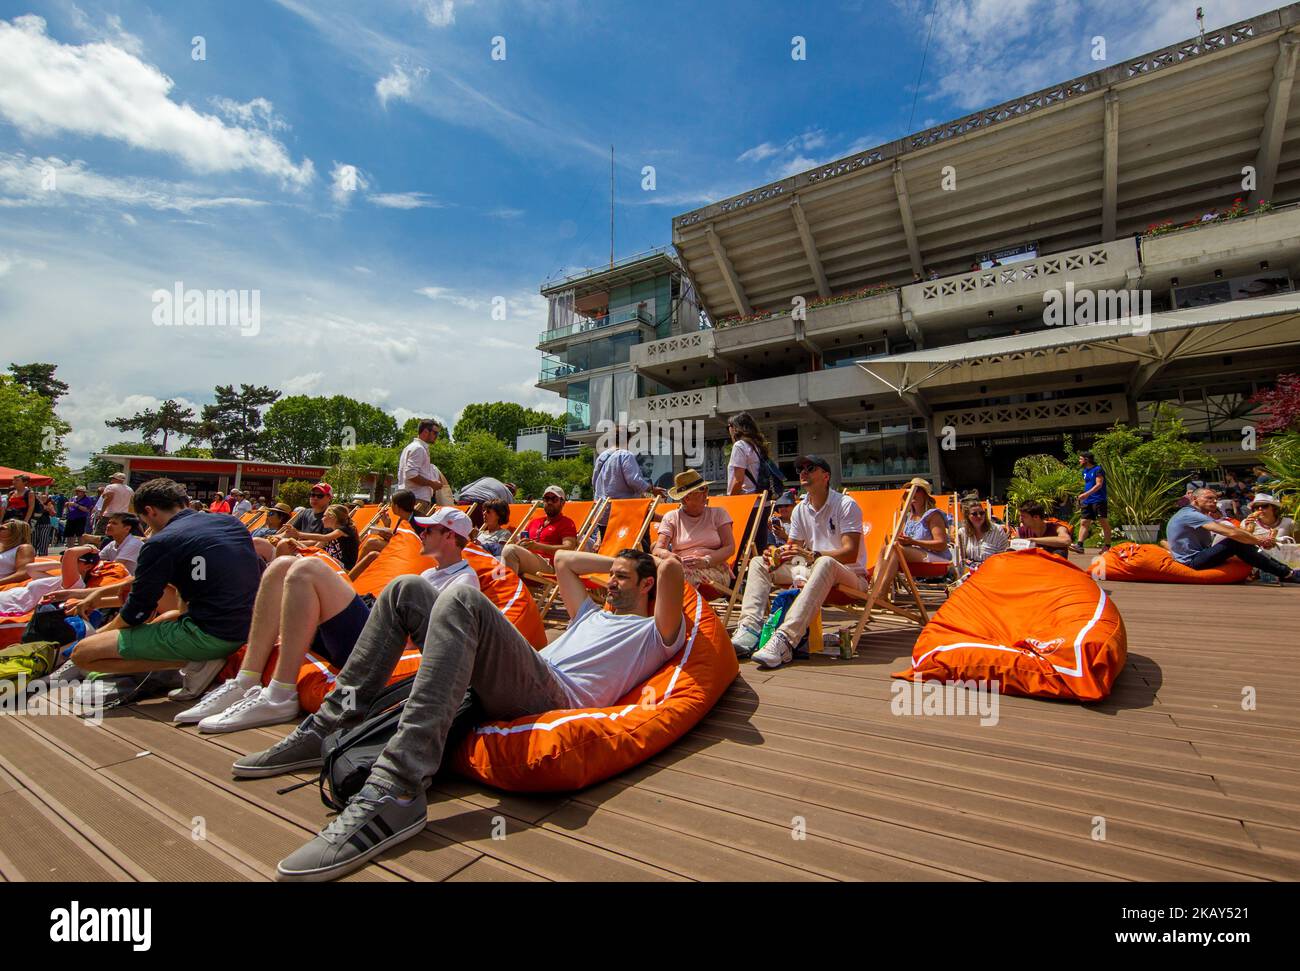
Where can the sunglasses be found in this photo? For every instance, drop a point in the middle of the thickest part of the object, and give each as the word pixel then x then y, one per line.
pixel 977 515
pixel 319 495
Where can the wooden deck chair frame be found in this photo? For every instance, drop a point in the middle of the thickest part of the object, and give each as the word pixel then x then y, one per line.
pixel 523 523
pixel 379 511
pixel 958 559
pixel 741 558
pixel 258 517
pixel 890 566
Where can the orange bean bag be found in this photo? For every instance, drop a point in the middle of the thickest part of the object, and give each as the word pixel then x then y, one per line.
pixel 13 625
pixel 571 749
pixel 1030 621
pixel 1143 563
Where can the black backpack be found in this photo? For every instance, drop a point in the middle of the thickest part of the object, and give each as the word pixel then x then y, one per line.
pixel 348 756
pixel 770 478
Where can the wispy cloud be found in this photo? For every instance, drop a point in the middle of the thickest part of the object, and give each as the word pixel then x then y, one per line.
pixel 52 182
pixel 405 200
pixel 345 181
pixel 104 90
pixel 398 83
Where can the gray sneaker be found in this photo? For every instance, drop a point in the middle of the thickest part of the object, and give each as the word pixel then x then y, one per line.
pixel 300 749
pixel 373 821
pixel 745 642
pixel 196 678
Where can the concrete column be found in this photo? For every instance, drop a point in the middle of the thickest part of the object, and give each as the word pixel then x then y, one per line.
pixel 1110 166
pixel 935 456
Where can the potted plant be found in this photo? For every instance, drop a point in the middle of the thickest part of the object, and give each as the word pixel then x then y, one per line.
pixel 1144 470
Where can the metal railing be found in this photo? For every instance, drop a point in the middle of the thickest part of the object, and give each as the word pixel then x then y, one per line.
pixel 585 324
pixel 553 370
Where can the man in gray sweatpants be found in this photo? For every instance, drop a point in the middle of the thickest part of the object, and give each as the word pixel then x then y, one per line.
pixel 468 643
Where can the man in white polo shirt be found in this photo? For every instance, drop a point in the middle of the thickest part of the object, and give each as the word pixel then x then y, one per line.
pixel 415 470
pixel 826 531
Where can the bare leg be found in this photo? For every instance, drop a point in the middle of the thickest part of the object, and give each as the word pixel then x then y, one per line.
pixel 264 548
pixel 313 593
pixel 266 614
pixel 363 561
pixel 1105 530
pixel 98 652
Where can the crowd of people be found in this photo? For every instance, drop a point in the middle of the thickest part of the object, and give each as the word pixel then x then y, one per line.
pixel 200 585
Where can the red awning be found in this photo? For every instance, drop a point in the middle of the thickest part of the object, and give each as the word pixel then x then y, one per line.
pixel 7 477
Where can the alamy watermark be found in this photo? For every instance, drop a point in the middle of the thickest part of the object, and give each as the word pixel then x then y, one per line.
pixel 654 436
pixel 923 698
pixel 24 696
pixel 1086 306
pixel 179 307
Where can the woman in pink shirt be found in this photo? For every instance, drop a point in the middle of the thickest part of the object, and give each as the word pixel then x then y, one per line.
pixel 697 534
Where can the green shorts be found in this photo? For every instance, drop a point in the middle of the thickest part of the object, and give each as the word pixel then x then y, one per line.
pixel 172 640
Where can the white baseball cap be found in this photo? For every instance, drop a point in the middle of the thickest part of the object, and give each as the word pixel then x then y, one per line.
pixel 553 490
pixel 448 517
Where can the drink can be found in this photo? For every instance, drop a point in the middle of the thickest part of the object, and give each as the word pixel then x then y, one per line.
pixel 846 643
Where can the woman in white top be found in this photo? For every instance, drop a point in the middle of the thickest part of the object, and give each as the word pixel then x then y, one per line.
pixel 977 538
pixel 1266 520
pixel 126 539
pixel 748 449
pixel 16 551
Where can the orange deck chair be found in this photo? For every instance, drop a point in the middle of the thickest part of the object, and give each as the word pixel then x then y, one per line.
pixel 521 514
pixel 584 515
pixel 883 515
pixel 363 516
pixel 629 519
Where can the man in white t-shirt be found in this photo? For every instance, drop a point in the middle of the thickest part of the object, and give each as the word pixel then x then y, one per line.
pixel 239 503
pixel 415 470
pixel 468 643
pixel 117 495
pixel 826 533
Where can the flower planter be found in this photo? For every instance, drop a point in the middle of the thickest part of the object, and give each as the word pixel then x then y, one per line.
pixel 1142 534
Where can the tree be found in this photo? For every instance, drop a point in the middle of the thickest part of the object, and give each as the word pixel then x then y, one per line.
pixel 1280 404
pixel 171 418
pixel 40 379
pixel 313 431
pixel 412 427
pixel 294 493
pixel 31 434
pixel 233 423
pixel 193 452
pixel 501 419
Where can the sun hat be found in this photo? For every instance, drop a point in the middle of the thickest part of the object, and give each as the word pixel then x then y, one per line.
pixel 922 485
pixel 1264 499
pixel 553 490
pixel 447 517
pixel 687 482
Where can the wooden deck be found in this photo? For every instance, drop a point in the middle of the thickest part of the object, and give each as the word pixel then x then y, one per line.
pixel 1190 785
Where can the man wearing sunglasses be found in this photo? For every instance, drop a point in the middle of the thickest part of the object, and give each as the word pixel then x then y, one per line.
pixel 310 520
pixel 826 531
pixel 543 537
pixel 305 606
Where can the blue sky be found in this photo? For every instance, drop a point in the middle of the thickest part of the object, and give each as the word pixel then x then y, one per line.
pixel 126 165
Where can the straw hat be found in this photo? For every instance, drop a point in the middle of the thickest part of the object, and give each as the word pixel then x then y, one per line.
pixel 283 508
pixel 688 481
pixel 922 485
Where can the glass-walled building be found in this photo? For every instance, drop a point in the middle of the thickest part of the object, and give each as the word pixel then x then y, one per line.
pixel 594 320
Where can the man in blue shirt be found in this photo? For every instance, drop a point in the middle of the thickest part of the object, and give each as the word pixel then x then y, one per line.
pixel 616 474
pixel 211 562
pixel 1092 502
pixel 1191 540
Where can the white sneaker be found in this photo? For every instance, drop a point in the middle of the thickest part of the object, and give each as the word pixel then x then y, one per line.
pixel 215 702
pixel 253 710
pixel 195 679
pixel 774 653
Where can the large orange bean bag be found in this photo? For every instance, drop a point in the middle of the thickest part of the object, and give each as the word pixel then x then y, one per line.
pixel 570 749
pixel 1030 621
pixel 1143 563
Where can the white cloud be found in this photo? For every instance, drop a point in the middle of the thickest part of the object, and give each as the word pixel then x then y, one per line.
pixel 405 200
pixel 258 113
pixel 12 261
pixel 51 181
pixel 129 219
pixel 302 383
pixel 759 153
pixel 398 83
pixel 345 180
pixel 439 13
pixel 102 89
pixel 112 30
pixel 505 213
pixel 364 269
pixel 451 296
pixel 88 405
